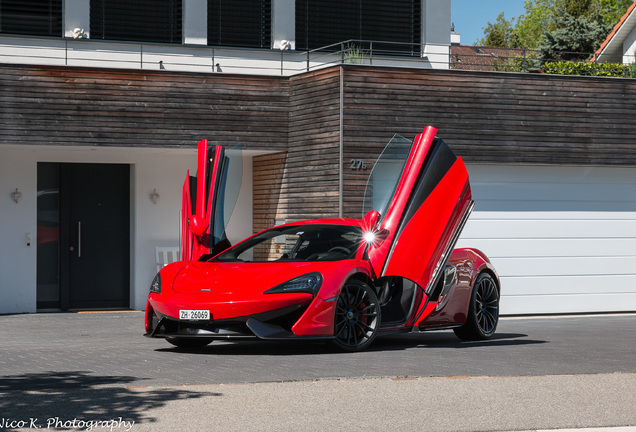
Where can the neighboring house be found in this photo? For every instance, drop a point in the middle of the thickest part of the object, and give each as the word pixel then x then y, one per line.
pixel 620 44
pixel 479 58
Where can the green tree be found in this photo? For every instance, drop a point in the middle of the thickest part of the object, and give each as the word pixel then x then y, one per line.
pixel 529 28
pixel 613 10
pixel 545 17
pixel 498 34
pixel 578 8
pixel 576 34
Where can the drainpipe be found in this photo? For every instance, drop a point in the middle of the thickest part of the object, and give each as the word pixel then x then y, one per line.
pixel 341 143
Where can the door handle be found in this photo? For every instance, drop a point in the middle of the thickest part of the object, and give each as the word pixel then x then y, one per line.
pixel 79 239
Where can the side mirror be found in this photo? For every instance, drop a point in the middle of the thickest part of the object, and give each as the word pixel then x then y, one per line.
pixel 372 236
pixel 370 221
pixel 198 225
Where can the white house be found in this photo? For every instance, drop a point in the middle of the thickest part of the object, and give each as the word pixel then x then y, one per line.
pixel 620 44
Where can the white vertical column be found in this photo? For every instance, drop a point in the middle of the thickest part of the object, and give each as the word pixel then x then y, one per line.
pixel 195 22
pixel 284 24
pixel 77 15
pixel 436 23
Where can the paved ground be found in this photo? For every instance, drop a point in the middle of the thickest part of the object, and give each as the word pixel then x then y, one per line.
pixel 536 374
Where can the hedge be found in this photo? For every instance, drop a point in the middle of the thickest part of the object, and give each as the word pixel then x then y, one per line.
pixel 589 69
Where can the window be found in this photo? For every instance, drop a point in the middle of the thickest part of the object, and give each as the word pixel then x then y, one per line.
pixel 240 23
pixel 322 23
pixel 137 20
pixel 300 243
pixel 31 17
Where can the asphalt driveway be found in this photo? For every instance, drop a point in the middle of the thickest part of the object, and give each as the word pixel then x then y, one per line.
pixel 67 370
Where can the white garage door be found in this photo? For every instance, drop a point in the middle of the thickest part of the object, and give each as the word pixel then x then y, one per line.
pixel 563 239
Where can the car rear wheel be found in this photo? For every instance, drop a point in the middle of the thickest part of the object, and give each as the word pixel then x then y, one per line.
pixel 483 312
pixel 188 343
pixel 357 316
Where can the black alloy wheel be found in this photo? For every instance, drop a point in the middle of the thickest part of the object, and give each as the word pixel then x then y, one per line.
pixel 357 316
pixel 483 312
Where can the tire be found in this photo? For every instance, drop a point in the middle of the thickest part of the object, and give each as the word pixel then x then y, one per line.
pixel 483 312
pixel 357 317
pixel 188 343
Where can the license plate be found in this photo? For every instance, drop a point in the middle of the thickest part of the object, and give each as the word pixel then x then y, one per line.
pixel 194 314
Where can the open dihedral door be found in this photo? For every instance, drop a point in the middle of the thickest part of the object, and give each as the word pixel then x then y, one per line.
pixel 208 200
pixel 423 207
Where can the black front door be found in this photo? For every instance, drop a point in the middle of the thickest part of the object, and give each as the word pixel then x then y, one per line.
pixel 94 237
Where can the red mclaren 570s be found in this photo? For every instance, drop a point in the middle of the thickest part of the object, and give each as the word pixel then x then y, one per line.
pixel 344 280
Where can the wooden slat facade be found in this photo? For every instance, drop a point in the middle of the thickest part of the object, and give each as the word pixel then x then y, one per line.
pixel 312 169
pixel 267 174
pixel 485 117
pixel 108 107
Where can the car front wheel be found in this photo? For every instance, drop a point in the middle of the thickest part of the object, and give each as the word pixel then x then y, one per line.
pixel 483 312
pixel 357 316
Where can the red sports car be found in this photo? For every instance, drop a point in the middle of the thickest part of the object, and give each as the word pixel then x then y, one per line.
pixel 344 280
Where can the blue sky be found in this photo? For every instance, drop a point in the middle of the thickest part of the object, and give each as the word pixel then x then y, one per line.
pixel 472 16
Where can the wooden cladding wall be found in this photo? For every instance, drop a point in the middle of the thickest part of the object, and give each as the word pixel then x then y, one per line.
pixel 267 172
pixel 484 117
pixel 487 117
pixel 312 170
pixel 107 107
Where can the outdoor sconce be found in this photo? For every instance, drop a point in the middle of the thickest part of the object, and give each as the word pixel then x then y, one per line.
pixel 154 196
pixel 16 195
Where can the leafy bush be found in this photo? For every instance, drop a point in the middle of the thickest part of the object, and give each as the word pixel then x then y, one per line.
pixel 584 68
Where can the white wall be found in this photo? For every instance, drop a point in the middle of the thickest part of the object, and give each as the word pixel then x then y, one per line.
pixel 155 225
pixel 629 48
pixel 17 262
pixel 151 225
pixel 563 239
pixel 436 22
pixel 283 23
pixel 195 22
pixel 181 58
pixel 77 14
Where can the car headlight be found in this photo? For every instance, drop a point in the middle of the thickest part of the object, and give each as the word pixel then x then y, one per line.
pixel 309 283
pixel 155 286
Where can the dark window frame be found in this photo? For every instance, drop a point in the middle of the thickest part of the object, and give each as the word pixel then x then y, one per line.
pixel 240 23
pixel 137 21
pixel 324 23
pixel 31 17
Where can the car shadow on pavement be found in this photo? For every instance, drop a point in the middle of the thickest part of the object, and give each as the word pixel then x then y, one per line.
pixel 449 340
pixel 382 343
pixel 54 400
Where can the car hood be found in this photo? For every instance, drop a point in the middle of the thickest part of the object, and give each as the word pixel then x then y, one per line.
pixel 236 280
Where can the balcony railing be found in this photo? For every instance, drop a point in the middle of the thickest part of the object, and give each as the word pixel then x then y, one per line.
pixel 196 58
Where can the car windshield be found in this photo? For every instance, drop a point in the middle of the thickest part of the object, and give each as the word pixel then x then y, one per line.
pixel 298 243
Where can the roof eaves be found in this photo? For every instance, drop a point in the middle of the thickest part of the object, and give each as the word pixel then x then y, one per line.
pixel 614 31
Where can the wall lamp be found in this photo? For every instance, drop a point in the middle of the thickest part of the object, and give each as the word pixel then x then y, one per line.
pixel 154 196
pixel 16 195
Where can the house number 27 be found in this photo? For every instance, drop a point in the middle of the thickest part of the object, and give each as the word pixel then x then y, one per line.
pixel 357 164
